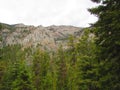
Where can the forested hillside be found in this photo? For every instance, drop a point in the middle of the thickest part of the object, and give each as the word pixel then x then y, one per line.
pixel 90 62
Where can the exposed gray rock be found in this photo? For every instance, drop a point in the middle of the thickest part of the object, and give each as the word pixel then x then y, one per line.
pixel 45 37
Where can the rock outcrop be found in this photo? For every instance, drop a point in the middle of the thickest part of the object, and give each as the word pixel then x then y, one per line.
pixel 46 37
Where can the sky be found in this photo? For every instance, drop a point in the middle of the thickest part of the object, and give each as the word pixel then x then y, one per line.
pixel 47 12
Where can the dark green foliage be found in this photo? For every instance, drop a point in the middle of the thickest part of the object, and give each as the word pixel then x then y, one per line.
pixel 61 70
pixel 97 1
pixel 2 72
pixel 87 63
pixel 15 74
pixel 41 70
pixel 107 31
pixel 23 80
pixel 17 77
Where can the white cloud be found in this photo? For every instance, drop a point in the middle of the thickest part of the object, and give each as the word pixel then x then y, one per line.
pixel 47 12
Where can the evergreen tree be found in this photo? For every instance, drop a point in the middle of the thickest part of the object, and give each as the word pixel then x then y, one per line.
pixel 72 50
pixel 42 79
pixel 23 80
pixel 72 68
pixel 107 31
pixel 17 75
pixel 61 70
pixel 2 72
pixel 86 62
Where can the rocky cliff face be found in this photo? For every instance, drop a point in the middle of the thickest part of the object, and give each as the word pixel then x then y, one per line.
pixel 46 37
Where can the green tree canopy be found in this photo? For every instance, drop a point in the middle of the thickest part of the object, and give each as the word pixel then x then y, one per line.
pixel 107 31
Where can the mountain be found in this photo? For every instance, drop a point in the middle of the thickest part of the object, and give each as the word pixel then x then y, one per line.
pixel 49 38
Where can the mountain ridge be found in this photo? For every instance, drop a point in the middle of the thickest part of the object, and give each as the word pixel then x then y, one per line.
pixel 50 37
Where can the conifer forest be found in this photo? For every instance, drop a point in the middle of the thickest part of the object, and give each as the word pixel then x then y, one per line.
pixel 91 61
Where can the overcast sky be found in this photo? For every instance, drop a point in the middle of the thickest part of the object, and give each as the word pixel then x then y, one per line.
pixel 47 12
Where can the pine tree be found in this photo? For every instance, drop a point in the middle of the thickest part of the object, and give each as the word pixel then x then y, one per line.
pixel 72 51
pixel 86 62
pixel 61 70
pixel 107 31
pixel 72 68
pixel 2 72
pixel 42 79
pixel 17 77
pixel 23 80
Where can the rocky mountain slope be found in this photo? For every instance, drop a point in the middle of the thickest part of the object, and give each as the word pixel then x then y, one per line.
pixel 46 37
